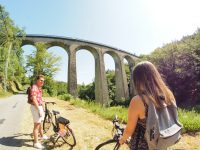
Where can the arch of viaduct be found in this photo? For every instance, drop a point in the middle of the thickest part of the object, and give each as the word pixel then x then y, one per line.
pixel 71 46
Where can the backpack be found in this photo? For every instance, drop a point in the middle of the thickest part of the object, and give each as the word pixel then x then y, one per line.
pixel 162 127
pixel 28 92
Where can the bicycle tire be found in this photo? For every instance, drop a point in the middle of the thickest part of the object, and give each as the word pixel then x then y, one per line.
pixel 109 142
pixel 47 122
pixel 69 138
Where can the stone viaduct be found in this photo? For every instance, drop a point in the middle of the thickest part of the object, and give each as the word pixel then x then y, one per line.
pixel 71 46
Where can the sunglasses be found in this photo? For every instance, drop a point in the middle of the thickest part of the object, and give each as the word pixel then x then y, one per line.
pixel 41 80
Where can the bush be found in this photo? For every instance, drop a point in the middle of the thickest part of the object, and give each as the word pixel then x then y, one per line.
pixel 45 93
pixel 65 97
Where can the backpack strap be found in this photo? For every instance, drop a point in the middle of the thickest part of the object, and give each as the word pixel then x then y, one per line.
pixel 145 105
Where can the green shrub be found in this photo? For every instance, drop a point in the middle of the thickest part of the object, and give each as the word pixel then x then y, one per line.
pixel 65 97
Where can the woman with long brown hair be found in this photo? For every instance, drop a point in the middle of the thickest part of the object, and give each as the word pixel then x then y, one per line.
pixel 149 86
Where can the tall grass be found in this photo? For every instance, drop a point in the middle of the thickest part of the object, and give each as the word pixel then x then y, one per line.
pixel 190 118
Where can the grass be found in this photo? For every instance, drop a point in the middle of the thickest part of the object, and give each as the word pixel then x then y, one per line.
pixel 4 94
pixel 190 118
pixel 105 112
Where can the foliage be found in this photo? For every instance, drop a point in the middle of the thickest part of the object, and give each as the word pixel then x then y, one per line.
pixel 10 51
pixel 110 76
pixel 18 86
pixel 179 63
pixel 50 86
pixel 61 87
pixel 65 97
pixel 87 92
pixel 42 61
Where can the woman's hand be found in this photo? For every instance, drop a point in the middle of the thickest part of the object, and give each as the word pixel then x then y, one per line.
pixel 122 140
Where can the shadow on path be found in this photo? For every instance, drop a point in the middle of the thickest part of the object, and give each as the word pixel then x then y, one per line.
pixel 26 140
pixel 16 141
pixel 50 144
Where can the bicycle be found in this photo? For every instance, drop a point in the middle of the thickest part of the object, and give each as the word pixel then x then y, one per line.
pixel 48 117
pixel 60 127
pixel 113 143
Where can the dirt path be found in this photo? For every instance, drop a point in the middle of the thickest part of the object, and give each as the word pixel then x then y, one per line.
pixel 89 129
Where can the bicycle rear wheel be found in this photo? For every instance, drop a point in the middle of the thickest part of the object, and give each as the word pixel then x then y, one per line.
pixel 69 138
pixel 47 122
pixel 110 144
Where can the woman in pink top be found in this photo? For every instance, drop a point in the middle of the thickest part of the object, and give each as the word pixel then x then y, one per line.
pixel 37 110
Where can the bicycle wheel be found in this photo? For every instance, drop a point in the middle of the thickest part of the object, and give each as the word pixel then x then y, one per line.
pixel 110 144
pixel 47 122
pixel 69 138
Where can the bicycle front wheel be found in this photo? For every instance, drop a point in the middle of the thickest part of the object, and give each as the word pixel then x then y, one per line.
pixel 110 144
pixel 47 122
pixel 69 138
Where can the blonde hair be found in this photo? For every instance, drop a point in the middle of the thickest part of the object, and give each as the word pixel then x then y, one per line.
pixel 39 77
pixel 148 81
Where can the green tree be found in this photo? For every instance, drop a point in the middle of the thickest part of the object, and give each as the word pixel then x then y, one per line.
pixel 61 87
pixel 179 64
pixel 44 62
pixel 10 69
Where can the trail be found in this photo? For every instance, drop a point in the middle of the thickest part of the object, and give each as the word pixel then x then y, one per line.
pixel 89 129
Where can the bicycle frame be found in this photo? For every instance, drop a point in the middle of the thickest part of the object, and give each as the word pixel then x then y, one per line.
pixel 55 122
pixel 119 132
pixel 48 115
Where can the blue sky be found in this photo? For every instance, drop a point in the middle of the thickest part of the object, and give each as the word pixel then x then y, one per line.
pixel 137 26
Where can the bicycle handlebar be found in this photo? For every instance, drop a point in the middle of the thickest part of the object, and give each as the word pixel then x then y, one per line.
pixel 50 103
pixel 119 130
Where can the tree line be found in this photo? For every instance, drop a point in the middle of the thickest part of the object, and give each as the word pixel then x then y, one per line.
pixel 178 62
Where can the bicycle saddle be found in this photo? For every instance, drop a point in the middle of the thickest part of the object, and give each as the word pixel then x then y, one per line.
pixel 63 120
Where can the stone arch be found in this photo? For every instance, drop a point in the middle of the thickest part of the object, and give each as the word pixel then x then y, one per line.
pixel 110 65
pixel 59 44
pixel 63 54
pixel 131 63
pixel 101 91
pixel 120 77
pixel 91 49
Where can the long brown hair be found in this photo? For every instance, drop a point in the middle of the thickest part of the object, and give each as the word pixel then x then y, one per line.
pixel 148 81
